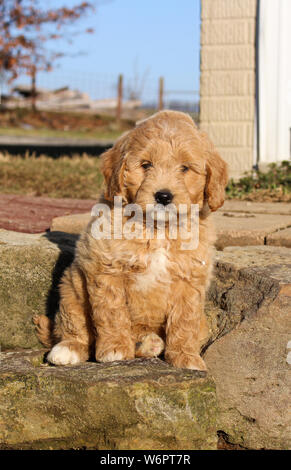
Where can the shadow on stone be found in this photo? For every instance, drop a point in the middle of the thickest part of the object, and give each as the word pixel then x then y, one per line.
pixel 66 244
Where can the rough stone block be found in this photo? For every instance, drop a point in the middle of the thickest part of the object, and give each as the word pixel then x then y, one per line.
pixel 249 363
pixel 280 238
pixel 141 404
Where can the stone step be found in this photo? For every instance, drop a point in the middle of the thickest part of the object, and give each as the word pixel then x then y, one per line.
pixel 141 404
pixel 234 227
pixel 249 313
pixel 276 208
pixel 280 238
pixel 247 229
pixel 74 223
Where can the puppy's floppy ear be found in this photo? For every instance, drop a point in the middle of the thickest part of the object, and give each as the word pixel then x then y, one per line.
pixel 113 163
pixel 107 165
pixel 217 176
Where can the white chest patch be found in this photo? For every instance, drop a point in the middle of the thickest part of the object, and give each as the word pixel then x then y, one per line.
pixel 157 271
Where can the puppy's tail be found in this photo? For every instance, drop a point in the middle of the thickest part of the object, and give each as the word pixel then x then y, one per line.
pixel 44 330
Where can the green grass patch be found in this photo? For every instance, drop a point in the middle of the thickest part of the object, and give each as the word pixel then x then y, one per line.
pixel 271 185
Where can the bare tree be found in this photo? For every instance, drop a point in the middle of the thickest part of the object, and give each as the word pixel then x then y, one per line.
pixel 26 28
pixel 136 85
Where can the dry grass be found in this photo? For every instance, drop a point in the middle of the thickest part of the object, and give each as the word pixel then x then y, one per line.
pixel 80 177
pixel 65 177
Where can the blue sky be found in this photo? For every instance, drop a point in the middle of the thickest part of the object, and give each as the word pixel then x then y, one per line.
pixel 157 36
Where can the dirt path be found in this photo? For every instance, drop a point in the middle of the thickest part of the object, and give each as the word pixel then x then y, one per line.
pixel 34 214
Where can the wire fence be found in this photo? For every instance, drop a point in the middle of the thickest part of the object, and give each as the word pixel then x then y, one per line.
pixel 144 90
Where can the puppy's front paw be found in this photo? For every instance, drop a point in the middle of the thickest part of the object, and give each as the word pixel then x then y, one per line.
pixel 62 355
pixel 151 345
pixel 186 361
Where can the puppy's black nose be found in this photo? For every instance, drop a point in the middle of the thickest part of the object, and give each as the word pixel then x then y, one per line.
pixel 164 197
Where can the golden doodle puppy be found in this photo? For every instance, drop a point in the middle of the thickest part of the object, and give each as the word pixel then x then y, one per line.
pixel 137 297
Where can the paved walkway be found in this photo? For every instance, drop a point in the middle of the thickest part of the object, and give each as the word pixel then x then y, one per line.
pixel 34 214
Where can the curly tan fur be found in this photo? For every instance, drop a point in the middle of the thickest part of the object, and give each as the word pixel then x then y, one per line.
pixel 127 298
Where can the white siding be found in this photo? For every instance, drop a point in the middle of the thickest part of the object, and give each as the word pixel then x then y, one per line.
pixel 275 80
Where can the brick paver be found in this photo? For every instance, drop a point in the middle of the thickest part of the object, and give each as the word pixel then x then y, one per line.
pixel 34 214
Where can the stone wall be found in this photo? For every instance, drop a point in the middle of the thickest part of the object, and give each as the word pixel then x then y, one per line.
pixel 227 86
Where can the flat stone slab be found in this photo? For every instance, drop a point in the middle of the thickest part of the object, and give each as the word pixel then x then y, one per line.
pixel 254 256
pixel 280 238
pixel 34 214
pixel 245 229
pixel 141 404
pixel 276 208
pixel 71 223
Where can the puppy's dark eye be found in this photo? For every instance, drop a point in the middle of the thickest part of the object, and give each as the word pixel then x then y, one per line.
pixel 185 168
pixel 146 165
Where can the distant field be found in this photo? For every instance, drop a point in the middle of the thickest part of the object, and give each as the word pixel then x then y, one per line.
pixel 98 134
pixel 70 125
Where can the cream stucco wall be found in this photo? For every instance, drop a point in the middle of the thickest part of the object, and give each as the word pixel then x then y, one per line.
pixel 227 85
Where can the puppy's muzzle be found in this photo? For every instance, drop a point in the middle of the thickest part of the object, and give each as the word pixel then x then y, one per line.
pixel 164 197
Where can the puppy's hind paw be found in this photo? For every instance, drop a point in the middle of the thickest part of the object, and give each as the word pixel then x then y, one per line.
pixel 186 361
pixel 151 345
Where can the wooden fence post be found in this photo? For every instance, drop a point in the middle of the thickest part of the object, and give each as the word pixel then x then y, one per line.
pixel 33 88
pixel 161 94
pixel 119 98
